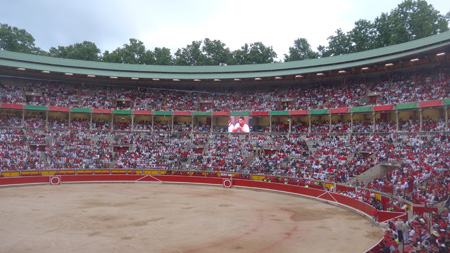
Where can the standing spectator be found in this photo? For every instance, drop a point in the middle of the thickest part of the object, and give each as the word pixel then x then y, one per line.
pixel 374 215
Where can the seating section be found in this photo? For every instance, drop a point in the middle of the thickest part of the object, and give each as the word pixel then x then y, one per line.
pixel 337 149
pixel 399 89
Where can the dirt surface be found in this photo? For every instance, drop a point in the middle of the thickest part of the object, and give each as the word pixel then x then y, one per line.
pixel 174 218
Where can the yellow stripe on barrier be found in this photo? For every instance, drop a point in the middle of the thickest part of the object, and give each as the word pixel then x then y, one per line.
pixel 151 172
pixel 66 172
pixel 118 171
pixel 48 172
pixel 85 171
pixel 27 173
pixel 10 174
pixel 256 177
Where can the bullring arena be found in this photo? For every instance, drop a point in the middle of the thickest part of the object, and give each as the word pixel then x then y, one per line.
pixel 288 157
pixel 175 218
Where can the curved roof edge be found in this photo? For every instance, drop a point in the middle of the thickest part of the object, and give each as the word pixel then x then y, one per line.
pixel 60 65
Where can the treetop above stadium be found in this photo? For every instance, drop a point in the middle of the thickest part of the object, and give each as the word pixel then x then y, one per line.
pixel 11 62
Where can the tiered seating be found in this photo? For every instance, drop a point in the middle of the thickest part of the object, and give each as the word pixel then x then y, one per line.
pixel 336 155
pixel 78 150
pixel 13 150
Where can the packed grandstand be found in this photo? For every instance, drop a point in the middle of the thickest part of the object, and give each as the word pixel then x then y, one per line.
pixel 379 123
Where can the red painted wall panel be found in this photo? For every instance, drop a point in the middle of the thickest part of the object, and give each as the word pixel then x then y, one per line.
pixel 297 113
pixel 221 113
pixel 142 112
pixel 13 106
pixel 23 180
pixel 260 113
pixel 431 103
pixel 102 111
pixel 182 113
pixel 383 108
pixel 59 109
pixel 339 110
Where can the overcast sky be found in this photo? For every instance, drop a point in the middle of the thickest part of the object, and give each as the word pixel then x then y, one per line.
pixel 176 23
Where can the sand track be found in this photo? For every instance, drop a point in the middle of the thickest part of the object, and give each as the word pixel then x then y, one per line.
pixel 174 218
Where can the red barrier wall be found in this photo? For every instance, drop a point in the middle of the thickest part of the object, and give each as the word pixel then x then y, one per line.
pixel 23 180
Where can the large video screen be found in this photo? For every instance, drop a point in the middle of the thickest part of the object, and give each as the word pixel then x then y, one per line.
pixel 239 124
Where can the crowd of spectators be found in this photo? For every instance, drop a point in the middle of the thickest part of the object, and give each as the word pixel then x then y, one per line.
pixel 10 120
pixel 416 234
pixel 37 121
pixel 78 150
pixel 423 176
pixel 328 152
pixel 79 124
pixel 394 89
pixel 58 123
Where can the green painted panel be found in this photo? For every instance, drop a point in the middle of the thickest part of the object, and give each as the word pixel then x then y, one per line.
pixel 406 106
pixel 279 113
pixel 202 113
pixel 447 101
pixel 362 109
pixel 126 112
pixel 163 113
pixel 319 112
pixel 81 110
pixel 36 107
pixel 240 113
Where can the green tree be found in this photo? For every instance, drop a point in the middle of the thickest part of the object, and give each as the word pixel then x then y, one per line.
pixel 87 51
pixel 215 52
pixel 300 51
pixel 338 44
pixel 112 56
pixel 17 40
pixel 363 36
pixel 413 20
pixel 383 30
pixel 410 20
pixel 191 55
pixel 133 53
pixel 162 56
pixel 254 53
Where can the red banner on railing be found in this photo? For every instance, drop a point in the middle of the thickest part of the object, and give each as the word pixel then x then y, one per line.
pixel 142 112
pixel 12 106
pixel 339 110
pixel 182 113
pixel 102 111
pixel 298 113
pixel 383 108
pixel 260 113
pixel 221 113
pixel 430 103
pixel 59 109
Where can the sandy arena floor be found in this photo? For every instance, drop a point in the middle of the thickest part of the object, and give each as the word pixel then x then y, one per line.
pixel 174 218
